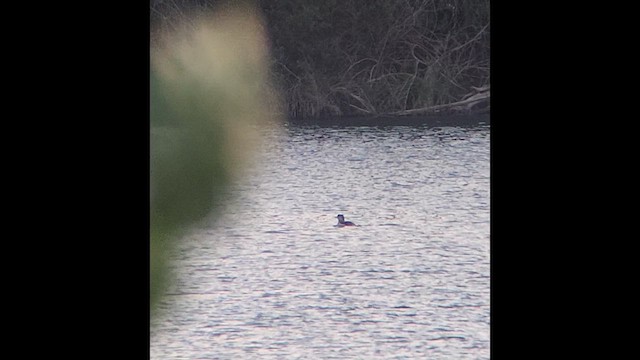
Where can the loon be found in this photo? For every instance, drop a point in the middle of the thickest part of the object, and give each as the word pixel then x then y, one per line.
pixel 341 221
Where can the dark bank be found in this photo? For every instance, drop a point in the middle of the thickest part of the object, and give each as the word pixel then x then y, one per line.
pixel 365 57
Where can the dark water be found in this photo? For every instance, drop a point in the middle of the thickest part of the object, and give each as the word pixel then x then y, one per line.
pixel 276 280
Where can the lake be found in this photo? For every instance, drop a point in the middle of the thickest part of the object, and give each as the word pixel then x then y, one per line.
pixel 275 279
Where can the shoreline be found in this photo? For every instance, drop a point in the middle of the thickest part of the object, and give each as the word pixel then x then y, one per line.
pixel 433 120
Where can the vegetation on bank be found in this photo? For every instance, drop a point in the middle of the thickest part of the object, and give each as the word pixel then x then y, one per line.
pixel 366 57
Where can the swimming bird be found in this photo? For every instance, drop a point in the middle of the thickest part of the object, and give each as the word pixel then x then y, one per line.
pixel 341 221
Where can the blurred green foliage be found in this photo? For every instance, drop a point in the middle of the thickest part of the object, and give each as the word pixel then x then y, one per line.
pixel 208 94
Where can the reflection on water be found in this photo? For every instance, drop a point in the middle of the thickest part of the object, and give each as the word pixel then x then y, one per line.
pixel 275 279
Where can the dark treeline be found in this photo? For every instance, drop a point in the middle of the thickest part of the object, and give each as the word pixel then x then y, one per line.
pixel 364 57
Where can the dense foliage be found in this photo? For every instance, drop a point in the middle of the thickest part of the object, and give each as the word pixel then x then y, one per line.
pixel 354 57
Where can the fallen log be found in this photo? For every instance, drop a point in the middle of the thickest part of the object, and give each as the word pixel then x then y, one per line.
pixel 466 105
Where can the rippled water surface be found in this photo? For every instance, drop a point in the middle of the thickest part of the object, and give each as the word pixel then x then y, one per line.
pixel 274 279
